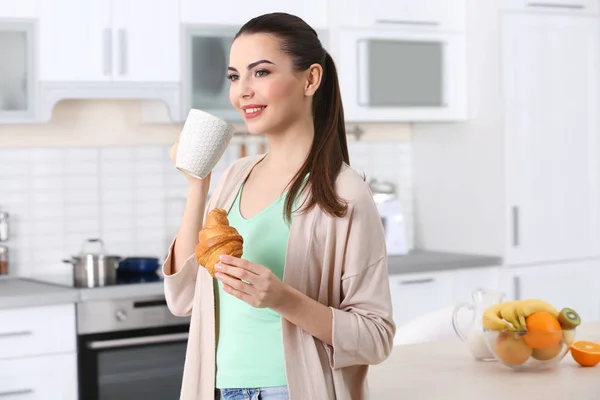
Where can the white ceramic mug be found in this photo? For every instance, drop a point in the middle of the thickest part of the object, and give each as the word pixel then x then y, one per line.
pixel 203 141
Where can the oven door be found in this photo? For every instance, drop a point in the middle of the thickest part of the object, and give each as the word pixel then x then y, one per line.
pixel 136 364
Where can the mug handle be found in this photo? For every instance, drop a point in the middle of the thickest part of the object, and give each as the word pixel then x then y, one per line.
pixel 459 307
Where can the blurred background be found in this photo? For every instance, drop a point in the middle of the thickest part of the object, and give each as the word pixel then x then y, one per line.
pixel 475 122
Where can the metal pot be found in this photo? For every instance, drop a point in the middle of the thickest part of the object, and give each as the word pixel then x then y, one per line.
pixel 92 269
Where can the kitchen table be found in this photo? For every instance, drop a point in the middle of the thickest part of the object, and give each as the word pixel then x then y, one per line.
pixel 446 370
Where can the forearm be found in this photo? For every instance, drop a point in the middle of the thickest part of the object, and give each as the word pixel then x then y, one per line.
pixel 306 313
pixel 191 223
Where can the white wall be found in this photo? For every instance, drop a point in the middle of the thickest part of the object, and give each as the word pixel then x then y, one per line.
pixel 97 171
pixel 458 168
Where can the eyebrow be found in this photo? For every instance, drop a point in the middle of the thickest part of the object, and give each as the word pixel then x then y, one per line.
pixel 252 65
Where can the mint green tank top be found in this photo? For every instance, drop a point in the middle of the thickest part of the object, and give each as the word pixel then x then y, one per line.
pixel 249 350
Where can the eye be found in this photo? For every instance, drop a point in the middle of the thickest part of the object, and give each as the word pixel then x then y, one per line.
pixel 232 77
pixel 261 72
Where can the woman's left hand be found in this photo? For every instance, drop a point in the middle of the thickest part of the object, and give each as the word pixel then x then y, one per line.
pixel 253 283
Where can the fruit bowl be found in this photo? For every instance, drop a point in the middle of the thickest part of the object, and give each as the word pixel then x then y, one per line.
pixel 528 351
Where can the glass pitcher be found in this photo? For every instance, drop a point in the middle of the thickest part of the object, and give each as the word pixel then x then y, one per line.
pixel 473 338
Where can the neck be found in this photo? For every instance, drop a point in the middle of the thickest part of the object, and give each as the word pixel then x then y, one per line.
pixel 288 150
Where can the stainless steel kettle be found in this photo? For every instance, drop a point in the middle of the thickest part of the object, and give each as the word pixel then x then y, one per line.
pixel 93 269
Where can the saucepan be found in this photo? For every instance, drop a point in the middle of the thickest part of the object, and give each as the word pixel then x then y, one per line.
pixel 138 266
pixel 94 268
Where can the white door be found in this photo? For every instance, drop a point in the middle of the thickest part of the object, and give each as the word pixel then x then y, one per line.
pixel 39 378
pixel 550 71
pixel 146 40
pixel 573 285
pixel 75 40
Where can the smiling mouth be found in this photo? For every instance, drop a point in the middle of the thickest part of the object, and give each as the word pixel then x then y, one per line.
pixel 254 111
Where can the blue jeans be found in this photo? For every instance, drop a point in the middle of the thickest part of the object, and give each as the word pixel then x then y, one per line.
pixel 268 393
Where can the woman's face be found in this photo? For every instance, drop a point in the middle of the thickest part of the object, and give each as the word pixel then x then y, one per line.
pixel 265 89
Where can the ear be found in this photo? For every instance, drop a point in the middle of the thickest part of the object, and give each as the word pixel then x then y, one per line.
pixel 314 74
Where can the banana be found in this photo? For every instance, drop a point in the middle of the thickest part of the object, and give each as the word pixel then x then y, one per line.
pixel 530 306
pixel 492 319
pixel 509 312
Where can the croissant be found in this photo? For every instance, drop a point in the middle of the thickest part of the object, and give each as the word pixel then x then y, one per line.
pixel 217 238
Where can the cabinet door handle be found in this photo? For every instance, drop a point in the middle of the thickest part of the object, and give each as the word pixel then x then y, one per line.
pixel 107 49
pixel 558 5
pixel 515 224
pixel 362 67
pixel 406 22
pixel 122 51
pixel 16 392
pixel 416 281
pixel 14 334
pixel 517 287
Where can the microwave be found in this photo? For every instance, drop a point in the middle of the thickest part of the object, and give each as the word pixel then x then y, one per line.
pixel 401 73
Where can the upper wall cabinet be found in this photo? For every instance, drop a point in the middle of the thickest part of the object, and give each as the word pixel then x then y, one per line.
pixel 20 9
pixel 562 6
pixel 109 49
pixel 448 14
pixel 103 40
pixel 238 12
pixel 17 71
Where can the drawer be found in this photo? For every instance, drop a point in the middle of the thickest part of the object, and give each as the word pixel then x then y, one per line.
pixel 414 295
pixel 37 331
pixel 39 378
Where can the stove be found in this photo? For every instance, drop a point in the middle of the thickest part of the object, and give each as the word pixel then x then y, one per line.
pixel 129 345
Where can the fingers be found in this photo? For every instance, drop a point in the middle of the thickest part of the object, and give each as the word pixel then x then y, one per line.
pixel 234 283
pixel 241 263
pixel 237 272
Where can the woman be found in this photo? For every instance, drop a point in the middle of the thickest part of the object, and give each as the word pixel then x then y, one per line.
pixel 307 308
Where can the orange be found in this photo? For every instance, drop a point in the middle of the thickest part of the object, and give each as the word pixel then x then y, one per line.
pixel 547 354
pixel 543 330
pixel 586 353
pixel 511 348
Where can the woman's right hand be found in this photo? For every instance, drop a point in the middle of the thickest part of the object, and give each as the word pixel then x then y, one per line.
pixel 191 180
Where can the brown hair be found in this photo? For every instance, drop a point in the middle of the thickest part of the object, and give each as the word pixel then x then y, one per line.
pixel 329 147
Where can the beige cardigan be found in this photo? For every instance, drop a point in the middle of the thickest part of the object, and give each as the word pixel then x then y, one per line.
pixel 340 262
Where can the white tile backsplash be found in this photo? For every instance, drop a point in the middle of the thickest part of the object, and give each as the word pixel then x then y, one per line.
pixel 130 196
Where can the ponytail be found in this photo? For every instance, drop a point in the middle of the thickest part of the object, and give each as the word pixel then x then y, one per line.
pixel 329 149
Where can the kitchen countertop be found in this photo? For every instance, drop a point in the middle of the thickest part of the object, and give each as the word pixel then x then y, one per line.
pixel 428 261
pixel 445 369
pixel 52 289
pixel 31 292
pixel 25 293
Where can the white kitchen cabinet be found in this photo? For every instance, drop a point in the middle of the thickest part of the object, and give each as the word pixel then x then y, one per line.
pixel 76 41
pixel 109 40
pixel 147 36
pixel 447 15
pixel 34 331
pixel 416 294
pixel 17 71
pixel 39 378
pixel 468 280
pixel 573 285
pixel 22 9
pixel 551 81
pixel 575 7
pixel 237 12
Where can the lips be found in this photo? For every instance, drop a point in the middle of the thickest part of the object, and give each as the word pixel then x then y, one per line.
pixel 253 111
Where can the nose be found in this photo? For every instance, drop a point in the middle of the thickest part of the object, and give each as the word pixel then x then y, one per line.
pixel 246 91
